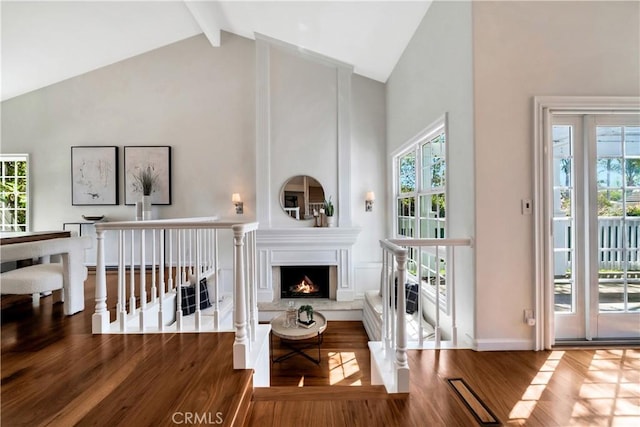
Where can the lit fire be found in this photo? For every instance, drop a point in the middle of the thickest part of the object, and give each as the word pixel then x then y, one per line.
pixel 304 287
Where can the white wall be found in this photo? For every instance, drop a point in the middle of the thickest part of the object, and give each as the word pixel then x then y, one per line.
pixel 201 101
pixel 523 49
pixel 368 173
pixel 303 128
pixel 301 136
pixel 433 77
pixel 198 99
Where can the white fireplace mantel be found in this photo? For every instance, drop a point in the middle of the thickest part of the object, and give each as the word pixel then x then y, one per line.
pixel 306 246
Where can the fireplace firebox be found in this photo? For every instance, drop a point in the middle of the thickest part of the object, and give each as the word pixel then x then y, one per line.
pixel 304 282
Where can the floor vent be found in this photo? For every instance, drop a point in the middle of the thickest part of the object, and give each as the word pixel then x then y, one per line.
pixel 471 400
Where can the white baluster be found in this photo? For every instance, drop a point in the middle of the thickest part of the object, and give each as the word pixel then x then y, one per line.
pixel 216 282
pixel 161 282
pixel 401 363
pixel 170 272
pixel 197 278
pixel 100 318
pixel 241 344
pixel 154 289
pixel 122 281
pixel 132 279
pixel 143 281
pixel 179 237
pixel 121 298
pixel 437 315
pixel 451 282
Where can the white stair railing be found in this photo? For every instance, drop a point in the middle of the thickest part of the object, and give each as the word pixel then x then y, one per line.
pixel 402 262
pixel 156 261
pixel 442 273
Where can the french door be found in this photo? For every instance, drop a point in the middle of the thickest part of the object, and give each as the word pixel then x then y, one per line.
pixel 594 197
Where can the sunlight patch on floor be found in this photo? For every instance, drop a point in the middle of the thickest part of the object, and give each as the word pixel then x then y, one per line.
pixel 522 410
pixel 342 366
pixel 610 394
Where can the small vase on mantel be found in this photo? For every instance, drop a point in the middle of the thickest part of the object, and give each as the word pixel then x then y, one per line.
pixel 146 207
pixel 331 221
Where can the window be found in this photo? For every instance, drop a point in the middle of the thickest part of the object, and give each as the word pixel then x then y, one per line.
pixel 14 192
pixel 420 171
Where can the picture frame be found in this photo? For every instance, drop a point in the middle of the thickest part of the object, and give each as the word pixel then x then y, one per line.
pixel 94 175
pixel 158 159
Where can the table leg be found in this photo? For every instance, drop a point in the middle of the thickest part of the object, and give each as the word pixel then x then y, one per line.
pixel 298 350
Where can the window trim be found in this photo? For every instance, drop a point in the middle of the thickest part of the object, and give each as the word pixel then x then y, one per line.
pixel 440 125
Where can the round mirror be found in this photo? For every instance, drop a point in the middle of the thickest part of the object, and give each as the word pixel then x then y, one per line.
pixel 300 196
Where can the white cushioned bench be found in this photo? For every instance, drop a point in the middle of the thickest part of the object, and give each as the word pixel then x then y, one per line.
pixel 372 319
pixel 69 275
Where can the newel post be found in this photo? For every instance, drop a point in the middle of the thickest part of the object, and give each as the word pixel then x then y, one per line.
pixel 401 364
pixel 100 319
pixel 241 344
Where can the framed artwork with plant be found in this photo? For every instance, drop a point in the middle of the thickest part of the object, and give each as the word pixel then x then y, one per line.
pixel 147 171
pixel 94 175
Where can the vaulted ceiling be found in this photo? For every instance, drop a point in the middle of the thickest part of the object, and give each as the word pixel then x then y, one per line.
pixel 44 42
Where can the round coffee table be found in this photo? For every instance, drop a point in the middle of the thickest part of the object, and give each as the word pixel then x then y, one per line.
pixel 293 338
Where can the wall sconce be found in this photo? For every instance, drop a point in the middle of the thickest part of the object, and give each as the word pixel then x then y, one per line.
pixel 237 201
pixel 368 201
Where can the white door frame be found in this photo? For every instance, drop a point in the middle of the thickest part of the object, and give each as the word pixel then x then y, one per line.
pixel 543 108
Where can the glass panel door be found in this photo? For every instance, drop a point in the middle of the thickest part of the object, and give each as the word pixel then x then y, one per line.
pixel 615 287
pixel 595 215
pixel 567 224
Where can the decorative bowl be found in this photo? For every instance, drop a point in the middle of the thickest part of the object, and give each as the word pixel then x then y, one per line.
pixel 92 217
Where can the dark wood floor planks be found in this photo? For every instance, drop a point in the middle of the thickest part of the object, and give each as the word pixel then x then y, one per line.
pixel 55 372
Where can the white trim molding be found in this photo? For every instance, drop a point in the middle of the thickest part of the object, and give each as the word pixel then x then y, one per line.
pixel 264 186
pixel 306 246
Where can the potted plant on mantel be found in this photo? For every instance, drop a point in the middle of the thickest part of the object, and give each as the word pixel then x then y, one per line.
pixel 146 180
pixel 328 211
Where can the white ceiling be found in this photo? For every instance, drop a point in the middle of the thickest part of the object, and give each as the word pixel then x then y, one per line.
pixel 45 42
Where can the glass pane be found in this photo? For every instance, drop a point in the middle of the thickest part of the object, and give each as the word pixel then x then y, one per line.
pixel 632 140
pixel 408 173
pixel 610 202
pixel 430 271
pixel 432 220
pixel 609 141
pixel 563 228
pixel 611 294
pixel 562 172
pixel 609 173
pixel 562 202
pixel 563 257
pixel 632 172
pixel 438 146
pixel 406 216
pixel 426 165
pixel 438 174
pixel 561 141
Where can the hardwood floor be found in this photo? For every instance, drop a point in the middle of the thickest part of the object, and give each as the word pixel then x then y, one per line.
pixel 54 372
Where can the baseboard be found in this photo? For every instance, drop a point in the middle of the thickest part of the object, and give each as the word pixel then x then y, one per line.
pixel 503 345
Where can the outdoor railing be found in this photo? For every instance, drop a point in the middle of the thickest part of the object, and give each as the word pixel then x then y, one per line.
pixel 617 240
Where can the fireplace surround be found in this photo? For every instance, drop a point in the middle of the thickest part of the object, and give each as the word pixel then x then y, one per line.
pixel 306 247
